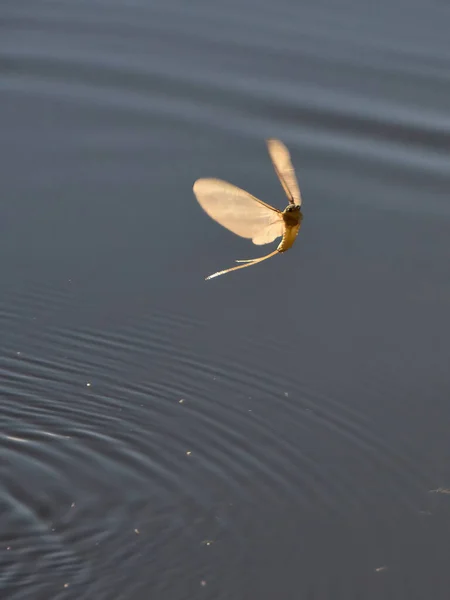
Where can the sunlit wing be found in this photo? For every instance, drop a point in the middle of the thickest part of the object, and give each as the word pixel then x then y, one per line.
pixel 239 211
pixel 270 233
pixel 281 160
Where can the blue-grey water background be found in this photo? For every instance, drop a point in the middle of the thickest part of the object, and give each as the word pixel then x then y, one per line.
pixel 279 433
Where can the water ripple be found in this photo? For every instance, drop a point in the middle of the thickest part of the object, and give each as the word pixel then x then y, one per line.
pixel 141 455
pixel 210 426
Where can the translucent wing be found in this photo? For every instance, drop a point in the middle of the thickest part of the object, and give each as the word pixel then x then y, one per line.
pixel 270 233
pixel 239 211
pixel 281 160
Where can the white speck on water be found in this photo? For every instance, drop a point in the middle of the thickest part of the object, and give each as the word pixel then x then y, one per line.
pixel 380 569
pixel 440 490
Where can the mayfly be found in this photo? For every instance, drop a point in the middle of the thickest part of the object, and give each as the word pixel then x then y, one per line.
pixel 249 217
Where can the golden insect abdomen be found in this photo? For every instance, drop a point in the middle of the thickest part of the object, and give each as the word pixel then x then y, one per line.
pixel 290 233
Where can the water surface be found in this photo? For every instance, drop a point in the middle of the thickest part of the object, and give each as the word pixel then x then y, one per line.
pixel 281 432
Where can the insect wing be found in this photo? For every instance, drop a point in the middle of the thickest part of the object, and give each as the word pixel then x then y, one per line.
pixel 270 233
pixel 239 211
pixel 281 160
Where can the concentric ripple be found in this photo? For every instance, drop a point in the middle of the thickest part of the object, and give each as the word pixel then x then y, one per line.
pixel 108 461
pixel 146 453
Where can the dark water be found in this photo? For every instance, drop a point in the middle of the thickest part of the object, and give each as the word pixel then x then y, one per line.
pixel 276 433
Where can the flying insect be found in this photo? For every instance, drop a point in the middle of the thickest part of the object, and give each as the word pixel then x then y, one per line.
pixel 251 218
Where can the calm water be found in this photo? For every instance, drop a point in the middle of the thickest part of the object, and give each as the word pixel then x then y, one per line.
pixel 276 433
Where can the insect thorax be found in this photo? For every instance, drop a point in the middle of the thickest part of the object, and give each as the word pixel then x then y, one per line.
pixel 292 215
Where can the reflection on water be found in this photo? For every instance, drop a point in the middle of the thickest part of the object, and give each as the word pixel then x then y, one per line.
pixel 278 435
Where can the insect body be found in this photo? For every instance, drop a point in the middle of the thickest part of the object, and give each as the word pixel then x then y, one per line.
pixel 249 217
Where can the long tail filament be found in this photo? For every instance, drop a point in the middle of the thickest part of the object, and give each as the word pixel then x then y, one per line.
pixel 248 263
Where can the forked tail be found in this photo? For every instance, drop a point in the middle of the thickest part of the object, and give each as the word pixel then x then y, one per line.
pixel 248 263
